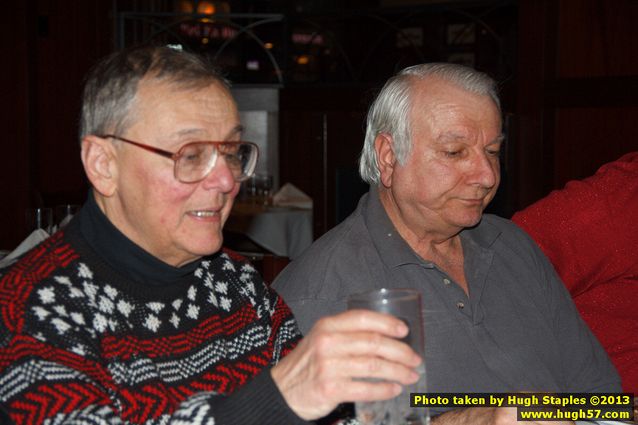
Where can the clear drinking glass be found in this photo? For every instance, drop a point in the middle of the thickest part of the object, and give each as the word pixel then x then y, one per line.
pixel 39 218
pixel 258 189
pixel 64 213
pixel 406 305
pixel 264 189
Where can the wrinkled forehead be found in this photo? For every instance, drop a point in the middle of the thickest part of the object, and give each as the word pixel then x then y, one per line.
pixel 152 83
pixel 436 97
pixel 210 95
pixel 176 113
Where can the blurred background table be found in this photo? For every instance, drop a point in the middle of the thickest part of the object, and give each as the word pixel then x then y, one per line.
pixel 283 231
pixel 269 236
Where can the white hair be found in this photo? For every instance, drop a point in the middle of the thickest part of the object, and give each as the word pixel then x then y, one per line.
pixel 390 111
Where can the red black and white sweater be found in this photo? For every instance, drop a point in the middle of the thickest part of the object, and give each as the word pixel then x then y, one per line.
pixel 81 342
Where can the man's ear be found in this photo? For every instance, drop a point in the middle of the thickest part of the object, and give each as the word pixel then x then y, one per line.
pixel 386 159
pixel 100 164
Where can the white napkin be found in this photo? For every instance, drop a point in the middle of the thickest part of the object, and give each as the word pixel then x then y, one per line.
pixel 37 236
pixel 291 196
pixel 65 221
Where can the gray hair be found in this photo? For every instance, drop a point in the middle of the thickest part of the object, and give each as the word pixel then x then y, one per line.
pixel 111 86
pixel 390 111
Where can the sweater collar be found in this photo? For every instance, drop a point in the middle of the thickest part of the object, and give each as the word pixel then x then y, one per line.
pixel 123 254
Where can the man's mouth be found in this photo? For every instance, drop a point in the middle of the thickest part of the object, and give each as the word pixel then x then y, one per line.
pixel 204 213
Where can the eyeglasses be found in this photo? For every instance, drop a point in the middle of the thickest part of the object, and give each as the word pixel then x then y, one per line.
pixel 195 160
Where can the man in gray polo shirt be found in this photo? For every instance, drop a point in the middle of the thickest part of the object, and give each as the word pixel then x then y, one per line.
pixel 497 318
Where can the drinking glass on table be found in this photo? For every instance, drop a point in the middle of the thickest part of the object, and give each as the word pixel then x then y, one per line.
pixel 404 304
pixel 64 213
pixel 258 189
pixel 266 189
pixel 39 218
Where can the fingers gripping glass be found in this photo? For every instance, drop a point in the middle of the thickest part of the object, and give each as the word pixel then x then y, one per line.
pixel 195 160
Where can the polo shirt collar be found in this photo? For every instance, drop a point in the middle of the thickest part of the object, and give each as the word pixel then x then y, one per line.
pixel 395 251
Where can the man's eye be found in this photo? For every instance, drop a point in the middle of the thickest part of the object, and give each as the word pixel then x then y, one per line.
pixel 452 154
pixel 191 157
pixel 494 152
pixel 228 148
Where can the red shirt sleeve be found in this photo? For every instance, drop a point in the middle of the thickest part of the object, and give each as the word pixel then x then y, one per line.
pixel 589 229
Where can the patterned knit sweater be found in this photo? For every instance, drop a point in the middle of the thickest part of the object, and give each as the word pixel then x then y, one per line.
pixel 82 343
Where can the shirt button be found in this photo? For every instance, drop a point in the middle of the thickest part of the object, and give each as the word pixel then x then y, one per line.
pixel 460 305
pixel 446 281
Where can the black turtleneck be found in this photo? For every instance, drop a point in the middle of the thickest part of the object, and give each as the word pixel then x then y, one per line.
pixel 123 254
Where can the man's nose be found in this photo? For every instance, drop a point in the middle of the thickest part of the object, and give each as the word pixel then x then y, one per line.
pixel 485 171
pixel 220 177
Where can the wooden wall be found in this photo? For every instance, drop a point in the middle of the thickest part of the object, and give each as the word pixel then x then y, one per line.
pixel 14 120
pixel 321 135
pixel 48 46
pixel 577 91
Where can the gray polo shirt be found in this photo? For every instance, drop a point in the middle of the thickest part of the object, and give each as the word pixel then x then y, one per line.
pixel 517 331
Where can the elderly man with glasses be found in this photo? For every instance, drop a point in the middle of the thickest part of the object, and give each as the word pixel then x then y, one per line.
pixel 134 314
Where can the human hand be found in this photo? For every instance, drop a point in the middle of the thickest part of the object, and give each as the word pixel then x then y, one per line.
pixel 321 371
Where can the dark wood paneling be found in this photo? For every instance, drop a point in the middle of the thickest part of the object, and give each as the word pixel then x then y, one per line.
pixel 531 177
pixel 578 90
pixel 597 38
pixel 301 149
pixel 600 92
pixel 589 137
pixel 50 46
pixel 321 135
pixel 77 34
pixel 14 118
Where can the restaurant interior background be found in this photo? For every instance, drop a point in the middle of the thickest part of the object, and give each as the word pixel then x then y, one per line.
pixel 307 70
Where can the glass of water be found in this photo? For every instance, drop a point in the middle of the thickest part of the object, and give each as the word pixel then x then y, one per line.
pixel 39 218
pixel 404 304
